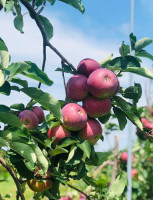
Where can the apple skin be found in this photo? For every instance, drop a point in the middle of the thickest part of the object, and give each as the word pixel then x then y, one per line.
pixel 87 66
pixel 28 119
pixel 74 117
pixel 134 173
pixel 124 157
pixel 59 132
pixel 77 87
pixel 65 198
pixel 118 88
pixel 91 132
pixel 39 185
pixel 96 107
pixel 39 113
pixel 102 83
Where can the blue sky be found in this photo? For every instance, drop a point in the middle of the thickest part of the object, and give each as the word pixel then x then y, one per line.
pixel 95 34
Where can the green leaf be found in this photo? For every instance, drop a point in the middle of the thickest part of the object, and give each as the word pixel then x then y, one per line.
pixel 76 4
pixel 121 117
pixel 133 92
pixel 16 88
pixel 133 40
pixel 54 152
pixel 16 68
pixel 3 46
pixel 105 118
pixel 35 73
pixel 19 81
pixel 18 23
pixel 4 59
pixel 142 71
pixel 47 26
pixel 106 61
pixel 3 2
pixel 2 77
pixel 25 151
pixel 10 119
pixel 145 54
pixel 52 2
pixel 15 135
pixel 9 6
pixel 128 110
pixel 65 68
pixel 142 43
pixel 89 181
pixel 67 141
pixel 42 161
pixel 3 142
pixel 118 187
pixel 19 106
pixel 46 100
pixel 5 88
pixel 86 148
pixel 124 49
pixel 71 154
pixel 4 108
pixel 81 170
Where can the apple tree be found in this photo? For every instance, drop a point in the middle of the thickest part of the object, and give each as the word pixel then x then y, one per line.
pixel 57 147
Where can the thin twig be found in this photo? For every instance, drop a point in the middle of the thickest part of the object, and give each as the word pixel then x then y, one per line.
pixel 63 75
pixel 42 8
pixel 114 173
pixel 87 196
pixel 44 60
pixel 108 162
pixel 33 3
pixel 34 16
pixel 12 173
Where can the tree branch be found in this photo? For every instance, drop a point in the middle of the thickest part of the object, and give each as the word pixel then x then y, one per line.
pixel 10 170
pixel 87 196
pixel 34 16
pixel 42 8
pixel 1 197
pixel 44 60
pixel 115 161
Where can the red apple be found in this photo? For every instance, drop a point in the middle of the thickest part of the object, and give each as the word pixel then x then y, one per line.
pixel 74 117
pixel 124 157
pixel 118 88
pixel 96 107
pixel 39 113
pixel 134 173
pixel 59 132
pixel 28 119
pixel 144 120
pixel 65 198
pixel 102 83
pixel 148 125
pixel 87 66
pixel 91 132
pixel 77 88
pixel 39 185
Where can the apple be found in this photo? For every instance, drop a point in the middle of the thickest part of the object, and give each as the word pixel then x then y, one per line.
pixel 102 83
pixel 39 113
pixel 118 88
pixel 144 120
pixel 28 119
pixel 39 185
pixel 74 117
pixel 87 66
pixel 77 87
pixel 65 198
pixel 124 157
pixel 148 125
pixel 91 132
pixel 59 132
pixel 134 173
pixel 96 107
pixel 141 134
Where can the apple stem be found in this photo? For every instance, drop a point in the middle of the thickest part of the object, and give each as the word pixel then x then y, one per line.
pixel 16 180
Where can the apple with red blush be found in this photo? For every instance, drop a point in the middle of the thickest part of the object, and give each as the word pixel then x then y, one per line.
pixel 39 113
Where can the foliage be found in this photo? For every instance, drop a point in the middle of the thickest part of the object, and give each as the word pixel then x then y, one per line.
pixel 30 151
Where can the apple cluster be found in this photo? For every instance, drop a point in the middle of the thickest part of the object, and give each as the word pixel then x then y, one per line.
pixel 31 118
pixel 93 86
